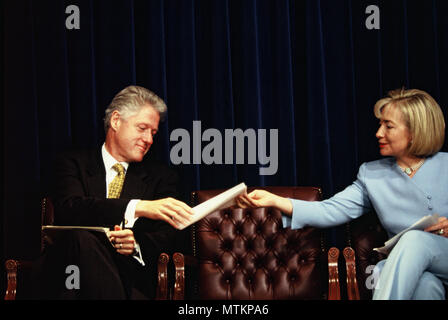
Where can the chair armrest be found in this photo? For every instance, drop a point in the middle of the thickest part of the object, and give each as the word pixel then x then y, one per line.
pixel 352 284
pixel 13 269
pixel 334 291
pixel 183 263
pixel 179 282
pixel 162 277
pixel 11 276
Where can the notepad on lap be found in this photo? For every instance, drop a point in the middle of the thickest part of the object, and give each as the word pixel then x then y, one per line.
pixel 421 224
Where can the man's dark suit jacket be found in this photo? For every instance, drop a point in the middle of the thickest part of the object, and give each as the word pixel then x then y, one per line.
pixel 79 197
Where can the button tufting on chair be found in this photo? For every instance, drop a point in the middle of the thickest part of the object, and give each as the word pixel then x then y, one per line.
pixel 254 257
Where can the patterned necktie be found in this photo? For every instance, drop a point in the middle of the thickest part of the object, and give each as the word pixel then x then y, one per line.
pixel 117 184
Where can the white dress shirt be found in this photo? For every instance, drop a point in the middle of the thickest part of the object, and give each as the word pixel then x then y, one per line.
pixel 129 215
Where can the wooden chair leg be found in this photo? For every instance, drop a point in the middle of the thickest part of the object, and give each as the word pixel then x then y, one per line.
pixel 179 284
pixel 334 291
pixel 352 284
pixel 162 277
pixel 11 276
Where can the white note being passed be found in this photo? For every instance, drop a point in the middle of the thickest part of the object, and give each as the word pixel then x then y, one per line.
pixel 221 201
pixel 421 224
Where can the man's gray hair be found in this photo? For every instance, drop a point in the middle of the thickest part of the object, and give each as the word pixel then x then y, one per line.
pixel 130 100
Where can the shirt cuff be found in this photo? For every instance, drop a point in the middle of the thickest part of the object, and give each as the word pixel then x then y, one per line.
pixel 129 220
pixel 129 215
pixel 286 221
pixel 137 255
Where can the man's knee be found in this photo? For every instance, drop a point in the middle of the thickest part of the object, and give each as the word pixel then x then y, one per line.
pixel 82 240
pixel 81 237
pixel 78 246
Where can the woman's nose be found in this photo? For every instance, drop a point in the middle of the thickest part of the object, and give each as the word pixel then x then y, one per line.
pixel 379 133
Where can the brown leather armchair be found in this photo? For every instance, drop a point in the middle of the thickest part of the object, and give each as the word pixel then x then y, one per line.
pixel 22 275
pixel 246 254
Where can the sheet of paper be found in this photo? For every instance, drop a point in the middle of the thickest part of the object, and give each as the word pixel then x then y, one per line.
pixel 421 224
pixel 221 201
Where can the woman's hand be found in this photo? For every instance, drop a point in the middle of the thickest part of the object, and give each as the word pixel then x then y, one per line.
pixel 440 228
pixel 123 240
pixel 262 198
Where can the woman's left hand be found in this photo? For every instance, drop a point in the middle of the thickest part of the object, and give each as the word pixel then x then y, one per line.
pixel 440 228
pixel 263 198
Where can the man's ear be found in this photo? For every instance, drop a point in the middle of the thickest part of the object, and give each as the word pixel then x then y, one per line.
pixel 115 120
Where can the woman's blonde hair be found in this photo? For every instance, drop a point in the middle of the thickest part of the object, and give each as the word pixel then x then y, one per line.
pixel 423 117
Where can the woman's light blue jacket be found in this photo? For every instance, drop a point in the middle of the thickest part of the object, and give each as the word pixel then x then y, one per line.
pixel 398 200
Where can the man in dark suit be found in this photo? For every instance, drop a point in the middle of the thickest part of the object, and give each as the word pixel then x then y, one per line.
pixel 113 187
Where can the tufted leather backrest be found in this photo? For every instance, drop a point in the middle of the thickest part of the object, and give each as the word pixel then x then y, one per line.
pixel 246 254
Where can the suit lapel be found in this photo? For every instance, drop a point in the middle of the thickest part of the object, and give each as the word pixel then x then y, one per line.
pixel 135 183
pixel 96 175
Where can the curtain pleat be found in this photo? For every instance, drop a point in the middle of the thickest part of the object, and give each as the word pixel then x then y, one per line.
pixel 436 50
pixel 318 153
pixel 406 41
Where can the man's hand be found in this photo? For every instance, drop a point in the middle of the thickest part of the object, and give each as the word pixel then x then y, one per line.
pixel 173 211
pixel 123 240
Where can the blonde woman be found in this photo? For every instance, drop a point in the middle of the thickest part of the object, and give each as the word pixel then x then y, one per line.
pixel 411 182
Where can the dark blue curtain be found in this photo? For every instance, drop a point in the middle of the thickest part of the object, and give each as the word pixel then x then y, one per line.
pixel 310 69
